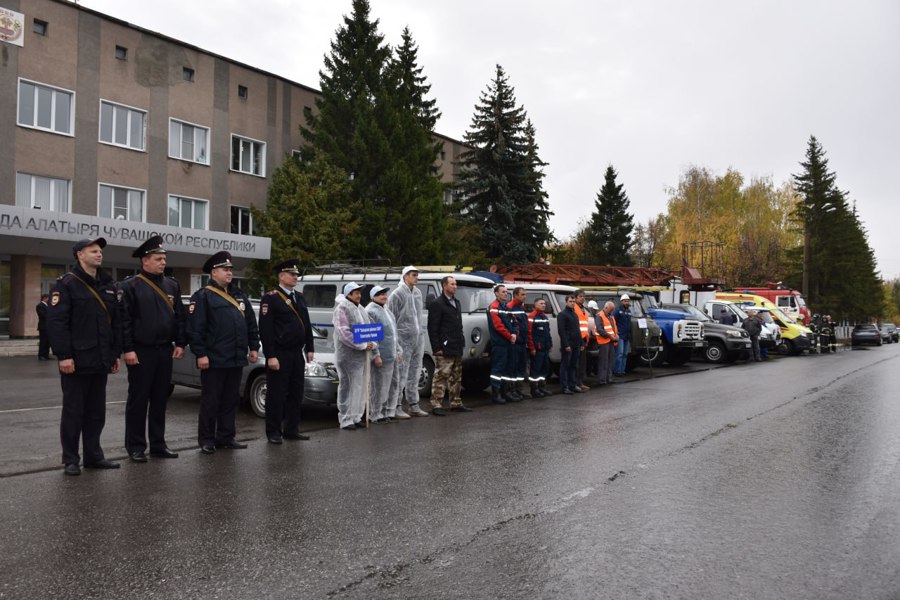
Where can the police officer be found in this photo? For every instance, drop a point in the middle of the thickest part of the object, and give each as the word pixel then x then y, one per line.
pixel 540 341
pixel 222 329
pixel 85 335
pixel 502 328
pixel 286 333
pixel 152 316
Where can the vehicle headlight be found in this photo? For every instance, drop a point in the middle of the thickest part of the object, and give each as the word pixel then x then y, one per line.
pixel 732 333
pixel 314 369
pixel 476 335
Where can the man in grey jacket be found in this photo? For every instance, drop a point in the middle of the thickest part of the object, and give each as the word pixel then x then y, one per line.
pixel 385 394
pixel 405 303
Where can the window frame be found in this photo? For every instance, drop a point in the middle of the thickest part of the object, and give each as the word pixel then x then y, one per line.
pixel 130 110
pixel 231 207
pixel 262 161
pixel 113 186
pixel 195 126
pixel 41 24
pixel 191 199
pixel 55 90
pixel 51 179
pixel 121 52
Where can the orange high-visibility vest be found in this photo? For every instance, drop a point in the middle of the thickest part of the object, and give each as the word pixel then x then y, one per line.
pixel 609 326
pixel 582 320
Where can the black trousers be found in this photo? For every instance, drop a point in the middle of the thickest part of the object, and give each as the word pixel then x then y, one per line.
pixel 43 344
pixel 148 388
pixel 219 400
pixel 83 416
pixel 284 394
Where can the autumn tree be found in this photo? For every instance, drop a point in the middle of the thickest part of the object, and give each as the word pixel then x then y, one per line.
pixel 646 241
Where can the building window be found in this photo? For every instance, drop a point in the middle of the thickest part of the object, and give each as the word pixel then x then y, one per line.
pixel 242 91
pixel 187 74
pixel 122 125
pixel 121 203
pixel 248 156
pixel 241 220
pixel 188 142
pixel 297 155
pixel 45 193
pixel 187 212
pixel 121 53
pixel 45 107
pixel 40 27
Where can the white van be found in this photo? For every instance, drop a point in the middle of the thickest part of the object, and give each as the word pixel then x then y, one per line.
pixel 321 286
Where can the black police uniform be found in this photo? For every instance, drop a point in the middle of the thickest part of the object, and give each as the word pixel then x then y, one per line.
pixel 287 335
pixel 83 324
pixel 223 331
pixel 153 319
pixel 43 338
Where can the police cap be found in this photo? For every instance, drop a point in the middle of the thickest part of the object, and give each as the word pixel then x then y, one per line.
pixel 287 266
pixel 151 246
pixel 82 244
pixel 217 260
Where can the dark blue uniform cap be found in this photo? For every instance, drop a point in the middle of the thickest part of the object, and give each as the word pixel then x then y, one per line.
pixel 151 246
pixel 217 260
pixel 287 266
pixel 82 244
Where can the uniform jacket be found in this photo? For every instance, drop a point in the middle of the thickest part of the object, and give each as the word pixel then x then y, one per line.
pixel 284 324
pixel 753 326
pixel 79 326
pixel 389 347
pixel 147 319
pixel 569 329
pixel 623 322
pixel 218 330
pixel 501 324
pixel 539 337
pixel 41 310
pixel 517 312
pixel 445 327
pixel 406 305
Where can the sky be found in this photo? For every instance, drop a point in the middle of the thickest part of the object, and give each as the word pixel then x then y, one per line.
pixel 651 87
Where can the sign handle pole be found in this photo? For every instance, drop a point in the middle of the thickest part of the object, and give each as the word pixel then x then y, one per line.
pixel 368 366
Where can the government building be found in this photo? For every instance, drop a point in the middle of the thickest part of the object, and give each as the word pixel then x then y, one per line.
pixel 112 130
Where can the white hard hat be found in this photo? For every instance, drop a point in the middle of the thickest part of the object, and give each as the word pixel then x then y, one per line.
pixel 593 304
pixel 624 297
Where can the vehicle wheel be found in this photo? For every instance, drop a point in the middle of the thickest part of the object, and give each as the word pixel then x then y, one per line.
pixel 785 347
pixel 426 377
pixel 476 382
pixel 256 395
pixel 656 358
pixel 715 352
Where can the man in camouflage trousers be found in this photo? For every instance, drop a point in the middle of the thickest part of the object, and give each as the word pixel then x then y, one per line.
pixel 445 332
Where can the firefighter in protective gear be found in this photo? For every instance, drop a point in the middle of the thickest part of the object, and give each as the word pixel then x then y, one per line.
pixel 503 329
pixel 540 341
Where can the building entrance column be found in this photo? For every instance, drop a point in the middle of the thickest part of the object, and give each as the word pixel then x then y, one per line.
pixel 24 294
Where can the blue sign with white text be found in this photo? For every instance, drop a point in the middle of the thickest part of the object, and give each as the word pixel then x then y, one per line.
pixel 371 332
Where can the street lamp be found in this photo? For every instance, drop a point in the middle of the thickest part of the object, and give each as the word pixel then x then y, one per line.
pixel 828 207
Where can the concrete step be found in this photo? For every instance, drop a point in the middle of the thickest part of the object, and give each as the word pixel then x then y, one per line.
pixel 18 347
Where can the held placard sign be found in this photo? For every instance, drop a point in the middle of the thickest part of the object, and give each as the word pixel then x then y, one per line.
pixel 370 332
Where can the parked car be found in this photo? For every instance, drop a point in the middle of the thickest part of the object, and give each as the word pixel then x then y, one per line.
pixel 867 333
pixel 892 330
pixel 724 342
pixel 320 387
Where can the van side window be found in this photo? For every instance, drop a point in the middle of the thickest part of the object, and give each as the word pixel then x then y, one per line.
pixel 532 297
pixel 429 292
pixel 319 296
pixel 784 301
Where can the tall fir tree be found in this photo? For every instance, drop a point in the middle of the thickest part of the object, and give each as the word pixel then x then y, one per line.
pixel 840 268
pixel 500 183
pixel 611 226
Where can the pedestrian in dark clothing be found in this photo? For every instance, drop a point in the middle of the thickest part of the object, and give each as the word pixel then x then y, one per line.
pixel 153 334
pixel 43 338
pixel 518 359
pixel 540 341
pixel 726 318
pixel 753 326
pixel 86 337
pixel 622 316
pixel 445 332
pixel 287 343
pixel 222 330
pixel 503 329
pixel 570 343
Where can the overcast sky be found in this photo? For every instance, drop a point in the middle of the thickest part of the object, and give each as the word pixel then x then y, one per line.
pixel 650 87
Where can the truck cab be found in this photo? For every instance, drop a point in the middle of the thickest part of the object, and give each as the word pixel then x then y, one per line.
pixel 682 334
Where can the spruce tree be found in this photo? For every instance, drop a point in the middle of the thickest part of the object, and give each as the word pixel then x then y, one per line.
pixel 500 184
pixel 611 225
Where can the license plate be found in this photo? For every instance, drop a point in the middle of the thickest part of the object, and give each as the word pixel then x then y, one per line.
pixel 699 344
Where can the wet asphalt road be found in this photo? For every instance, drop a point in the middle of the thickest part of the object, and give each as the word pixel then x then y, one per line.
pixel 778 480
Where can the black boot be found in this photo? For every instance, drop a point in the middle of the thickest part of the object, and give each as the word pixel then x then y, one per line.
pixel 509 393
pixel 543 388
pixel 535 392
pixel 497 396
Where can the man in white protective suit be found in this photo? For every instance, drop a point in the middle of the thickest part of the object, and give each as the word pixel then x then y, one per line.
pixel 350 358
pixel 406 304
